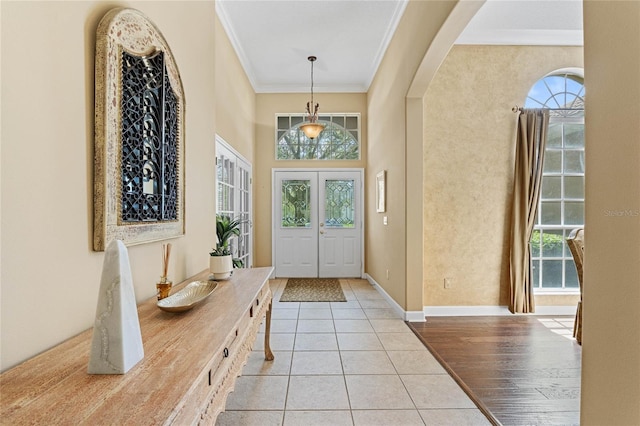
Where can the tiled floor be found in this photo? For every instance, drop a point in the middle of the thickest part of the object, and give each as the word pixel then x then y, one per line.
pixel 559 325
pixel 345 363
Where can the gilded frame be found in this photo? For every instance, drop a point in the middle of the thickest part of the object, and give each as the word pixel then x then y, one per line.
pixel 129 30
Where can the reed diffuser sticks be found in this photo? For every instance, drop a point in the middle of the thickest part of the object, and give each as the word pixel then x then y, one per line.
pixel 166 253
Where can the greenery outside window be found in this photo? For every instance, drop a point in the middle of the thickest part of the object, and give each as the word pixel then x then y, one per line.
pixel 561 207
pixel 338 141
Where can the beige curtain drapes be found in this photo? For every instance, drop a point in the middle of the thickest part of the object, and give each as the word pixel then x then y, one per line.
pixel 531 139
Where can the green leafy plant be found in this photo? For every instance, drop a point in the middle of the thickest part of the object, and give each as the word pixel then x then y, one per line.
pixel 226 228
pixel 551 243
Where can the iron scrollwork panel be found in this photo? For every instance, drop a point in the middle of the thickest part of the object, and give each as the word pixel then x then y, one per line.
pixel 149 141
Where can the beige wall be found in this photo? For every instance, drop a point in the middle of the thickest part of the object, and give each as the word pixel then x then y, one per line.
pixel 387 245
pixel 267 106
pixel 50 275
pixel 235 98
pixel 611 331
pixel 469 132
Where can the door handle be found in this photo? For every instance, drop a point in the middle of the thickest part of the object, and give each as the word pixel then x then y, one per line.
pixel 322 232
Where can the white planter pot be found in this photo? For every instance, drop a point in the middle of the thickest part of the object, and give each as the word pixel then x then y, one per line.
pixel 221 267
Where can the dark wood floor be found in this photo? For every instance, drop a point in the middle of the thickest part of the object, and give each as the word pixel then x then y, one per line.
pixel 517 370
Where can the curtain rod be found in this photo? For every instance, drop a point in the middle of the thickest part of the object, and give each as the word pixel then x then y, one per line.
pixel 517 108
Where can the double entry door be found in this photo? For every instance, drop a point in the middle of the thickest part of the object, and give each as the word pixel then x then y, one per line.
pixel 318 226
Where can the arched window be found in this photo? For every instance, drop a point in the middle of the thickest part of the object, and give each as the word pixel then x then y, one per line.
pixel 561 206
pixel 338 141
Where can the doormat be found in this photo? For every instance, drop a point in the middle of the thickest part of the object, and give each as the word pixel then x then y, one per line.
pixel 312 290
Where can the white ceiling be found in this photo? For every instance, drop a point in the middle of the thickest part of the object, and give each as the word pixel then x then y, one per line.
pixel 273 38
pixel 526 22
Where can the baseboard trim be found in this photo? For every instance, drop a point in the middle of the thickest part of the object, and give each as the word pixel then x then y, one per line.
pixel 462 311
pixel 466 311
pixel 412 316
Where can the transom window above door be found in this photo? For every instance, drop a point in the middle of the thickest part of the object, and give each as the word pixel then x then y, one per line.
pixel 339 140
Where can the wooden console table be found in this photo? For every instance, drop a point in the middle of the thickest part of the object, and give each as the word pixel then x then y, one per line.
pixel 191 361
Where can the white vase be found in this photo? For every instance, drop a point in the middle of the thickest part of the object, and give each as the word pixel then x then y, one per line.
pixel 221 267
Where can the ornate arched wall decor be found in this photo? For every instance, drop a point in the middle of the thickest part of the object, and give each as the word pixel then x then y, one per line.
pixel 139 133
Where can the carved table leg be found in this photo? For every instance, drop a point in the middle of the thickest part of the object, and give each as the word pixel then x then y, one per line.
pixel 268 355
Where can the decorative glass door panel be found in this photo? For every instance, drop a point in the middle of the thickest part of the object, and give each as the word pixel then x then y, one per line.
pixel 296 203
pixel 339 203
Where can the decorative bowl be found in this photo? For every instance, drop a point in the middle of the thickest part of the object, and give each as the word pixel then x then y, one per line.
pixel 185 299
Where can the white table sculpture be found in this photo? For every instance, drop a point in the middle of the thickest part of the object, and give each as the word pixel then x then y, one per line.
pixel 117 342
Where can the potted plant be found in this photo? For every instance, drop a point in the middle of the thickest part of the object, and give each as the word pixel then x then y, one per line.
pixel 221 262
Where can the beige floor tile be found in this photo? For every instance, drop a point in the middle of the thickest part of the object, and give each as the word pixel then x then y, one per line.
pixel 387 418
pixel 376 313
pixel 318 418
pixel 315 326
pixel 400 342
pixel 250 418
pixel 284 305
pixel 316 362
pixel 436 391
pixel 359 342
pixel 315 313
pixel 316 342
pixel 368 295
pixel 281 326
pixel 352 326
pixel 349 314
pixel 415 362
pixel 349 304
pixel 373 303
pixel 366 362
pixel 360 284
pixel 384 392
pixel 315 305
pixel 348 293
pixel 455 417
pixel 389 326
pixel 258 393
pixel 356 355
pixel 317 393
pixel 277 342
pixel 257 366
pixel 284 314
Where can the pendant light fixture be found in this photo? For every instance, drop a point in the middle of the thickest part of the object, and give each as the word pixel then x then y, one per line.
pixel 311 127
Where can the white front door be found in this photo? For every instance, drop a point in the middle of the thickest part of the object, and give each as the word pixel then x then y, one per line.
pixel 340 224
pixel 296 224
pixel 318 223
